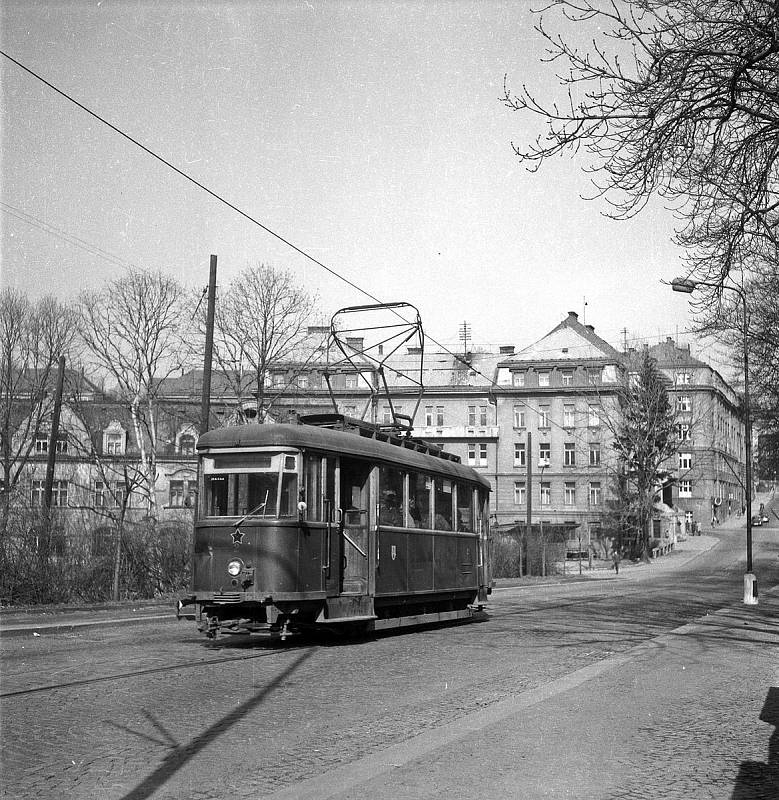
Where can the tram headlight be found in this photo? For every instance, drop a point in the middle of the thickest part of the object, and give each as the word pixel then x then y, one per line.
pixel 234 567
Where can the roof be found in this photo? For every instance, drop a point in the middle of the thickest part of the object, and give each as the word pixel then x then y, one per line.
pixel 570 340
pixel 328 440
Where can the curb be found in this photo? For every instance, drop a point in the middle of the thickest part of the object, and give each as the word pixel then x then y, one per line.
pixel 22 628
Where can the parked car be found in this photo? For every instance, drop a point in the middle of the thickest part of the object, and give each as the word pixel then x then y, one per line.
pixel 757 522
pixel 764 519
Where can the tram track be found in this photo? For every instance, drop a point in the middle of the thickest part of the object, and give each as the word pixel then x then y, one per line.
pixel 144 672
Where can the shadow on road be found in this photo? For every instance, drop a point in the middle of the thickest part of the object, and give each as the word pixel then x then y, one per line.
pixel 757 780
pixel 180 755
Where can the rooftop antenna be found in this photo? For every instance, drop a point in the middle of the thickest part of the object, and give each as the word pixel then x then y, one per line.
pixel 584 312
pixel 465 335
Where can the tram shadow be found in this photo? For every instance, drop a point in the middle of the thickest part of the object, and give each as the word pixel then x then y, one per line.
pixel 757 780
pixel 181 754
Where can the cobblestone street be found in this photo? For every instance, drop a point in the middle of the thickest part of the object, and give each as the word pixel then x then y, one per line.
pixel 654 684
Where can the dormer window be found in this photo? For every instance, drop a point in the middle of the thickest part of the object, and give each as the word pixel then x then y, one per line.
pixel 187 445
pixel 114 439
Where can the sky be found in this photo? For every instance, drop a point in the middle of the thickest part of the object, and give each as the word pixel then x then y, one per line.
pixel 369 135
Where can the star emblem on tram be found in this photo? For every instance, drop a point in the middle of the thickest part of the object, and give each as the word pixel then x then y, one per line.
pixel 237 535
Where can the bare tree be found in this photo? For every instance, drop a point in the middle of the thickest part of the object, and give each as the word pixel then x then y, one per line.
pixel 134 330
pixel 261 322
pixel 33 335
pixel 674 98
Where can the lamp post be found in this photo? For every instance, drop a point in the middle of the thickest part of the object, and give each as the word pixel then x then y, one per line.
pixel 688 286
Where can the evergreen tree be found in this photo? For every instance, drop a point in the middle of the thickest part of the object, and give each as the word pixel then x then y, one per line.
pixel 645 440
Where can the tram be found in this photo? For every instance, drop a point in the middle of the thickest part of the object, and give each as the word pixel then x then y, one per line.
pixel 334 523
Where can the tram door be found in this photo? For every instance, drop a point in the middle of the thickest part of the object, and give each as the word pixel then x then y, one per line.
pixel 355 502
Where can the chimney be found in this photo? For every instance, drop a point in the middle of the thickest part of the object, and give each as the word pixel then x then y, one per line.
pixel 573 315
pixel 507 349
pixel 590 328
pixel 355 342
pixel 318 329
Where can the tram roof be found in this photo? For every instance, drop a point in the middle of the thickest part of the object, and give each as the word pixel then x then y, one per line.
pixel 348 442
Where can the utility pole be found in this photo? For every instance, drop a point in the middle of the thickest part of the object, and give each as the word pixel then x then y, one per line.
pixel 51 459
pixel 529 491
pixel 205 399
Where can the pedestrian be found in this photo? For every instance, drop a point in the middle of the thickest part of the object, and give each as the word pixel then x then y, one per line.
pixel 616 558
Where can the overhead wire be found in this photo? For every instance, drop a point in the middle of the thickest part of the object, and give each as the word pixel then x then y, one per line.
pixel 492 382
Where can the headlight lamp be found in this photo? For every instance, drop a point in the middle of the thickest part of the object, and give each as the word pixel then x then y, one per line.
pixel 234 567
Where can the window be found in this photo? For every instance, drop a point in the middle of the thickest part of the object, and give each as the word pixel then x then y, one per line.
pixel 683 402
pixel 187 444
pixel 428 416
pixel 59 493
pixel 37 493
pixel 518 378
pixel 519 493
pixel 685 488
pixel 546 493
pixel 387 415
pixel 482 455
pixel 544 453
pixel 391 496
pixel 350 381
pixel 114 444
pixel 593 416
pixel 593 376
pixel 434 415
pixel 543 379
pixel 569 416
pixel 42 442
pixel 350 411
pixel 439 416
pixel 444 497
pixel 683 432
pixel 302 381
pixel 477 415
pixel 594 454
pixel 477 455
pixel 543 417
pixel 569 454
pixel 567 377
pixel 570 494
pixel 108 494
pixel 465 516
pixel 419 500
pixel 519 416
pixel 177 490
pixel 683 378
pixel 685 460
pixel 595 493
pixel 519 454
pixel 278 379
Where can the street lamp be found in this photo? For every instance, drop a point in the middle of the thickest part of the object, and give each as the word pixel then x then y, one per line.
pixel 688 286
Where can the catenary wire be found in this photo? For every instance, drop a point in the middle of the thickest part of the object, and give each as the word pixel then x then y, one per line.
pixel 233 207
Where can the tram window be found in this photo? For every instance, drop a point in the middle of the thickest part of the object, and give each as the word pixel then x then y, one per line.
pixel 465 508
pixel 259 495
pixel 288 506
pixel 216 495
pixel 419 500
pixel 443 504
pixel 390 496
pixel 313 487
